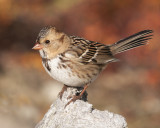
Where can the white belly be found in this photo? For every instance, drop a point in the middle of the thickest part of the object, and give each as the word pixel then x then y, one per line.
pixel 64 75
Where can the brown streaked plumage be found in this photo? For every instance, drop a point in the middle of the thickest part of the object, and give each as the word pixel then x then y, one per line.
pixel 75 61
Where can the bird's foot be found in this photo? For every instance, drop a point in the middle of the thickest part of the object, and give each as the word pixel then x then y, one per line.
pixel 62 91
pixel 75 97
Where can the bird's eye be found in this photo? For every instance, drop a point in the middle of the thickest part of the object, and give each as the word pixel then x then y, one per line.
pixel 47 41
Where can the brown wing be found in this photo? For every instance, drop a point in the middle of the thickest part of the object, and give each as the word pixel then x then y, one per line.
pixel 90 52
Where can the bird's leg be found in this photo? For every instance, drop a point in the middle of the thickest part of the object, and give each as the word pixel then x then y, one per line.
pixel 62 91
pixel 77 97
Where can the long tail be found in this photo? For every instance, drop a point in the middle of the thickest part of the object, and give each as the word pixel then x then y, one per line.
pixel 136 40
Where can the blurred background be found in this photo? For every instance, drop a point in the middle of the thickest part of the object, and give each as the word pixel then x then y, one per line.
pixel 130 87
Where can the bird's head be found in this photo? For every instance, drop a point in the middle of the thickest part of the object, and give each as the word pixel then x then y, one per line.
pixel 51 42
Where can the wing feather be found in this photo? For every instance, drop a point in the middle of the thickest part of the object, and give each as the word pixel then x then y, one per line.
pixel 90 51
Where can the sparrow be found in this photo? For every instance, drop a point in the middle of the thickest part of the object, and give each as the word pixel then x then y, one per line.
pixel 75 61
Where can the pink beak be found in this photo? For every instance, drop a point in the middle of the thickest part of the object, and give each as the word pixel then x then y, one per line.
pixel 37 46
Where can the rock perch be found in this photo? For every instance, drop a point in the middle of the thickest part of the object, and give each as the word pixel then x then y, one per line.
pixel 79 114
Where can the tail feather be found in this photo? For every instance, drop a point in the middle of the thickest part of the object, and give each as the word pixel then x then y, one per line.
pixel 136 40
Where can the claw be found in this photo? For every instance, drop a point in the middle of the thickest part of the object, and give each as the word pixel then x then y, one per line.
pixel 77 97
pixel 73 100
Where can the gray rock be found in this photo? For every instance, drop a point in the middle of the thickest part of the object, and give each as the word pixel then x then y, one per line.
pixel 79 114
